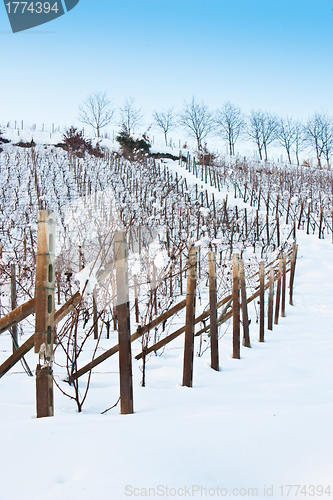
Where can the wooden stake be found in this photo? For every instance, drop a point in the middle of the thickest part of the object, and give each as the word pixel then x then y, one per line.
pixel 262 301
pixel 190 317
pixel 235 307
pixel 246 333
pixel 270 299
pixel 278 294
pixel 320 223
pixel 123 317
pixel 136 300
pixel 283 294
pixel 95 314
pixel 44 320
pixel 214 345
pixel 13 304
pixel 292 273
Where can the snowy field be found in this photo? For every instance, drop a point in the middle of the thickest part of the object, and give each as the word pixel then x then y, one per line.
pixel 259 426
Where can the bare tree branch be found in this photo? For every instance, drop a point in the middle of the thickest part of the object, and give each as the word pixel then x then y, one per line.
pixel 130 117
pixel 165 120
pixel 318 132
pixel 262 128
pixel 198 121
pixel 231 124
pixel 96 111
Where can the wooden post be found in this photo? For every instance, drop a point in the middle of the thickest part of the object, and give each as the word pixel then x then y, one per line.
pixel 262 301
pixel 246 333
pixel 13 304
pixel 283 290
pixel 181 273
pixel 270 299
pixel 292 273
pixel 190 317
pixel 308 219
pixel 123 317
pixel 136 300
pixel 235 307
pixel 44 307
pixel 320 223
pixel 278 294
pixel 214 344
pixel 95 314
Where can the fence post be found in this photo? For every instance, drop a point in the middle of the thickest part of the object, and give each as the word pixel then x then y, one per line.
pixel 13 303
pixel 136 300
pixel 320 223
pixel 95 314
pixel 44 312
pixel 235 307
pixel 214 344
pixel 270 299
pixel 292 273
pixel 278 294
pixel 283 290
pixel 123 317
pixel 190 317
pixel 246 333
pixel 262 301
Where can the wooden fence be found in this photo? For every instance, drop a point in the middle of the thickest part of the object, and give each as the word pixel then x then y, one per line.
pixel 233 305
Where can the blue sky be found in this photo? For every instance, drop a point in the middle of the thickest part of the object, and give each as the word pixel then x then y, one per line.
pixel 274 55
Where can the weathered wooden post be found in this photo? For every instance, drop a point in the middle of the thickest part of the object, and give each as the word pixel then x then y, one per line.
pixel 136 299
pixel 320 223
pixel 246 333
pixel 292 272
pixel 278 294
pixel 190 317
pixel 270 299
pixel 95 314
pixel 13 303
pixel 214 344
pixel 262 301
pixel 283 290
pixel 235 307
pixel 123 317
pixel 44 318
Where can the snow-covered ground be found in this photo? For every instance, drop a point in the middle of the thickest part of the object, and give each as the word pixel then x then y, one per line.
pixel 260 424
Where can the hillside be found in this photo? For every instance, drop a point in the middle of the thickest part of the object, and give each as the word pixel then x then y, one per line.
pixel 261 422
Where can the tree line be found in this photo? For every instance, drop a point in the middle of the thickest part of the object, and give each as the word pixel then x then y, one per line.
pixel 229 123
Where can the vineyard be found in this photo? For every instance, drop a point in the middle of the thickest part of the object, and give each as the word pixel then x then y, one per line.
pixel 205 257
pixel 164 205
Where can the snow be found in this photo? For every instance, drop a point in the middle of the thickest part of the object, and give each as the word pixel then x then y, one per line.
pixel 262 422
pixel 87 277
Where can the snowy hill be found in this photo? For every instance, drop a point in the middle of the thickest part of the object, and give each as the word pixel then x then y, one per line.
pixel 262 422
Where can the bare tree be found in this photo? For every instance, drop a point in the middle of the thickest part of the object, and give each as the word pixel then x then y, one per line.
pixel 130 117
pixel 327 123
pixel 318 132
pixel 313 132
pixel 165 120
pixel 299 138
pixel 198 121
pixel 262 128
pixel 230 122
pixel 286 135
pixel 96 111
pixel 254 130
